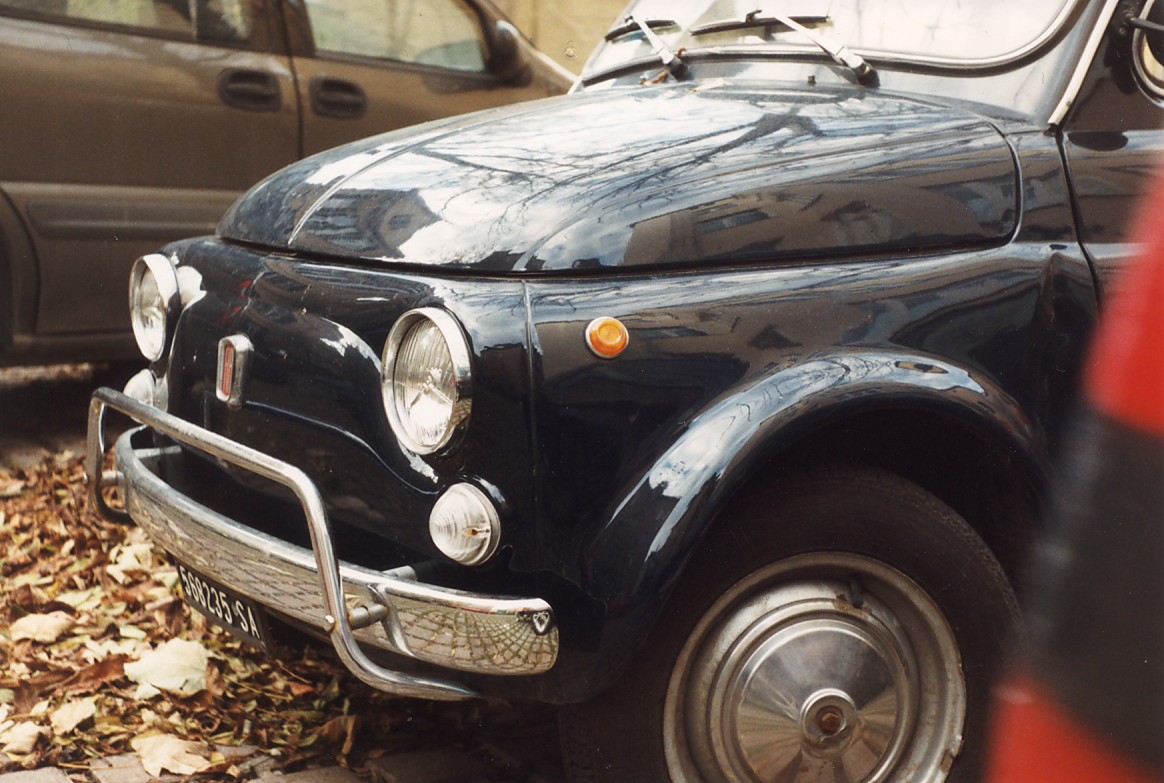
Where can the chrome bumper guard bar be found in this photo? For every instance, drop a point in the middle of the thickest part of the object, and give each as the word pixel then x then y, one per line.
pixel 354 605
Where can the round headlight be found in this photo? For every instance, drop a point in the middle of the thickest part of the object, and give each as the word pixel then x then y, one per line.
pixel 464 525
pixel 426 379
pixel 153 301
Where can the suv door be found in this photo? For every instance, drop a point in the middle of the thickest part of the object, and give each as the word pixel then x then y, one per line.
pixel 369 66
pixel 127 125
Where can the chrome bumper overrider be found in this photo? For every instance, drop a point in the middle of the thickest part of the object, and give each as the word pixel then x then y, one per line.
pixel 354 605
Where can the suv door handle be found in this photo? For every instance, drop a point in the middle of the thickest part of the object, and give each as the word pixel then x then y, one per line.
pixel 248 89
pixel 337 98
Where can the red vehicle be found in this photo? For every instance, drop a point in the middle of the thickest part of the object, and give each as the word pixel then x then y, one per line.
pixel 1089 707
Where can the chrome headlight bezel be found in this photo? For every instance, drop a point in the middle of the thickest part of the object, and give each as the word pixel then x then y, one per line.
pixel 153 335
pixel 461 382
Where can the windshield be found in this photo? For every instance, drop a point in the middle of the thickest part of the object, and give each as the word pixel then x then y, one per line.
pixel 955 33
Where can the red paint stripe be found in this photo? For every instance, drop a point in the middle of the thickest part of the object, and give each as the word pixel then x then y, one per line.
pixel 1125 379
pixel 1036 741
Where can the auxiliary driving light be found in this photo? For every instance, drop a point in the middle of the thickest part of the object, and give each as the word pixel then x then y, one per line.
pixel 464 525
pixel 148 388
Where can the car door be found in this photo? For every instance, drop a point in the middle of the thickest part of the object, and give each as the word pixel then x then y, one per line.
pixel 1112 140
pixel 368 66
pixel 127 125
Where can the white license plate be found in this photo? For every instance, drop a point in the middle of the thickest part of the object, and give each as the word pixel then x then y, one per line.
pixel 225 607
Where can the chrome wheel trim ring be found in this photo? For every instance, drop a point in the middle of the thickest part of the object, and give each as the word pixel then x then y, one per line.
pixel 822 662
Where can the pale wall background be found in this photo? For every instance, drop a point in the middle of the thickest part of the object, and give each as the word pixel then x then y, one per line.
pixel 566 30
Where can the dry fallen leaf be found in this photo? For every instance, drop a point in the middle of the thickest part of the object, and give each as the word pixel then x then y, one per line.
pixel 20 739
pixel 131 559
pixel 177 667
pixel 90 678
pixel 10 488
pixel 42 627
pixel 340 731
pixel 166 753
pixel 72 714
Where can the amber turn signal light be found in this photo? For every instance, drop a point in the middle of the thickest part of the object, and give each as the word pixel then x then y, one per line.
pixel 607 337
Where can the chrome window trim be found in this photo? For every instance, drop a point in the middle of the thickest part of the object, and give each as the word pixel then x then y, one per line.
pixel 1085 59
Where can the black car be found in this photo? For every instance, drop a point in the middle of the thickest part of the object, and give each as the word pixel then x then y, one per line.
pixel 714 400
pixel 134 123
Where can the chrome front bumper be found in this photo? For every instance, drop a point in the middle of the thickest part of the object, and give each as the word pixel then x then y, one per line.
pixel 355 606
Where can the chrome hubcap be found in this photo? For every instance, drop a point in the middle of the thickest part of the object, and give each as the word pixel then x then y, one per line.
pixel 828 667
pixel 819 692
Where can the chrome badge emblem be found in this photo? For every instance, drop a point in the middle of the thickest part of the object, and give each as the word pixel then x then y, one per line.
pixel 234 355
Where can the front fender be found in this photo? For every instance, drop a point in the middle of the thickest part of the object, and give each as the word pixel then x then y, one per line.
pixel 635 559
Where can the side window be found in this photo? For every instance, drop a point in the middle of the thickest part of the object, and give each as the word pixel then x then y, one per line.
pixel 213 21
pixel 228 22
pixel 440 33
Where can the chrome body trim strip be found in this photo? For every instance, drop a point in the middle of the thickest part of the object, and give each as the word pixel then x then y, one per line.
pixel 354 605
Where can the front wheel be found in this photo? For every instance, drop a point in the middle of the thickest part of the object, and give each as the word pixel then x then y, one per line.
pixel 837 628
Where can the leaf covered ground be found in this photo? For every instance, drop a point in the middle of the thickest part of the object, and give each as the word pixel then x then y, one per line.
pixel 99 656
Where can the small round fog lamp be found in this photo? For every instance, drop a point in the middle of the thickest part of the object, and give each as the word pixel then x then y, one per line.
pixel 464 525
pixel 148 388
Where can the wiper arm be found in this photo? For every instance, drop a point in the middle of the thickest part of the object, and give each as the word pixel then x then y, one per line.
pixel 840 53
pixel 671 61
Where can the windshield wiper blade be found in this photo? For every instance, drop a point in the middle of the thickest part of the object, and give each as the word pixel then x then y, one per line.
pixel 753 20
pixel 840 53
pixel 671 61
pixel 634 27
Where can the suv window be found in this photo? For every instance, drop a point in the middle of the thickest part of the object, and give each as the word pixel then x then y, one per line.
pixel 224 21
pixel 440 33
pixel 214 21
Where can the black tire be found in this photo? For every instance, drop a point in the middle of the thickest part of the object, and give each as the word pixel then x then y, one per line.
pixel 856 565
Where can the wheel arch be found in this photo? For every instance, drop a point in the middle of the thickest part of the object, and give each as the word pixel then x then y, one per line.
pixel 995 487
pixel 7 278
pixel 5 296
pixel 913 416
pixel 19 279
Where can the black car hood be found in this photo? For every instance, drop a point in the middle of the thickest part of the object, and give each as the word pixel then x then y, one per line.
pixel 676 175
